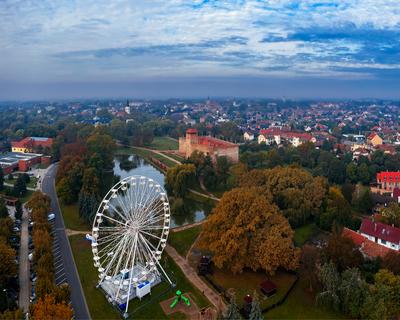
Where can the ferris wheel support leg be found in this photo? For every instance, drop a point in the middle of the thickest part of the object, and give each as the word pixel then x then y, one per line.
pixel 165 274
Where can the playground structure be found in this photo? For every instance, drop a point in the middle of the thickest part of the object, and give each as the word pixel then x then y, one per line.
pixel 179 297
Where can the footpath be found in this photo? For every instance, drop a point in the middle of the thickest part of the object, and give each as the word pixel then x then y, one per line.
pixel 212 296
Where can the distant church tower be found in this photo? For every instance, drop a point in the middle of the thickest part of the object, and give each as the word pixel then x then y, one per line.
pixel 127 107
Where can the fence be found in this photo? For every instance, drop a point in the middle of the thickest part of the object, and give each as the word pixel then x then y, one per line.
pixel 226 296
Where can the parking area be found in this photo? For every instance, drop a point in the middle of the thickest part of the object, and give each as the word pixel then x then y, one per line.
pixel 59 272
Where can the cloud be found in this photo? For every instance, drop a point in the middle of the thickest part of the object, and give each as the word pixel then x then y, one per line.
pixel 122 39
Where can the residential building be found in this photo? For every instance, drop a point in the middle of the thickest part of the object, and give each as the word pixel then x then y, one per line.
pixel 368 248
pixel 31 144
pixel 381 233
pixel 374 139
pixel 276 135
pixel 248 136
pixel 386 181
pixel 208 145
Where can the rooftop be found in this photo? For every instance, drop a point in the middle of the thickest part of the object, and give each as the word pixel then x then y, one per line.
pixel 380 230
pixel 10 158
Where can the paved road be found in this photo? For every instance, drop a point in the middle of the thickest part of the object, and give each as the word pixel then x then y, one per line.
pixel 24 281
pixel 71 274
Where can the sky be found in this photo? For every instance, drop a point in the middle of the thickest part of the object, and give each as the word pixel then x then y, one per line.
pixel 175 48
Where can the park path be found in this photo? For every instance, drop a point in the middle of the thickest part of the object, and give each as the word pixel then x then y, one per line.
pixel 160 152
pixel 188 226
pixel 212 197
pixel 24 281
pixel 192 276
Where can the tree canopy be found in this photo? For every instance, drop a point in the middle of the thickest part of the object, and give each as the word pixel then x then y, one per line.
pixel 247 230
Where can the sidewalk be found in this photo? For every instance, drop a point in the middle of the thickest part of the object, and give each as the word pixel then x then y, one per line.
pixel 192 276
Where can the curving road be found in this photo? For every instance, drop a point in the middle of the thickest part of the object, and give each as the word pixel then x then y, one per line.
pixel 79 305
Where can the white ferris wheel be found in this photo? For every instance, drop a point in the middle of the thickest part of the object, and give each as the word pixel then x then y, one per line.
pixel 129 234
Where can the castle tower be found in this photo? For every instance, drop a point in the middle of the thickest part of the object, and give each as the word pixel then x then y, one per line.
pixel 191 136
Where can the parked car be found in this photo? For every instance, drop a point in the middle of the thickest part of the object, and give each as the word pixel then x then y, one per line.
pixel 30 256
pixel 51 217
pixel 16 229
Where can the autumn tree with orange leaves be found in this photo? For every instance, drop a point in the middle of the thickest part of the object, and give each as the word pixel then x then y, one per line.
pixel 247 230
pixel 48 309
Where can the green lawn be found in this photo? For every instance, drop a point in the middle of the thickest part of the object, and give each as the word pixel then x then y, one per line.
pixel 183 240
pixel 174 156
pixel 98 306
pixel 248 281
pixel 26 196
pixel 71 218
pixel 302 234
pixel 30 184
pixel 301 305
pixel 164 143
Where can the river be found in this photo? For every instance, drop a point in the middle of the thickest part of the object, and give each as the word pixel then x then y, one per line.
pixel 189 212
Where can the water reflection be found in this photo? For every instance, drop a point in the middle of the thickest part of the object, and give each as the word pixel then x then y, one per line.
pixel 182 211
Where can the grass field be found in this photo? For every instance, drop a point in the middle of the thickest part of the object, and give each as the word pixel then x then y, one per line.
pixel 302 234
pixel 183 240
pixel 98 306
pixel 301 305
pixel 71 218
pixel 248 281
pixel 164 143
pixel 31 184
pixel 174 156
pixel 26 196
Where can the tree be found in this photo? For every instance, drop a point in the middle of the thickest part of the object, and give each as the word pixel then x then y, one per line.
pixel 62 293
pixel 47 309
pixel 364 202
pixel 64 191
pixel 363 173
pixel 6 229
pixel 3 208
pixel 391 262
pixel 179 179
pixel 391 214
pixel 18 210
pixel 296 192
pixel 351 172
pixel 342 252
pixel 383 297
pixel 12 315
pixel 236 174
pixel 338 211
pixel 247 230
pixel 104 146
pixel 255 313
pixel 19 186
pixel 8 266
pixel 310 257
pixel 232 313
pixel 352 292
pixel 330 280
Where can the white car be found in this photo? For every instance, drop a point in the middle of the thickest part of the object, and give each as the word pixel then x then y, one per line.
pixel 51 216
pixel 30 256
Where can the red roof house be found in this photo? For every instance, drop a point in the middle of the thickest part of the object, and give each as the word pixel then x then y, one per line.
pixel 381 233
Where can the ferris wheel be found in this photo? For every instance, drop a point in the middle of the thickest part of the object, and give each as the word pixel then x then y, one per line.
pixel 129 234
